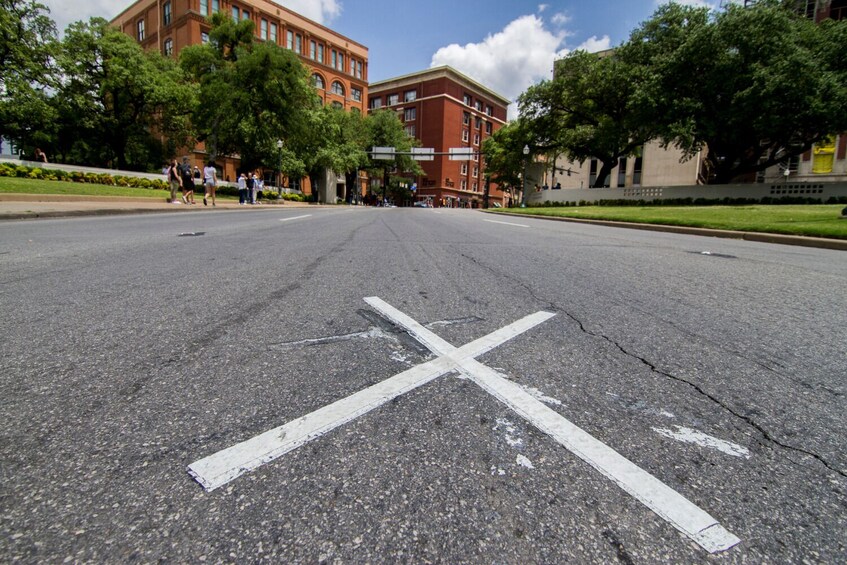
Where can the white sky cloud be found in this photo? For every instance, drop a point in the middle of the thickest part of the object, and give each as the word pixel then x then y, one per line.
pixel 515 58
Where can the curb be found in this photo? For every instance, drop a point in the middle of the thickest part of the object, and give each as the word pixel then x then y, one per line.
pixel 802 241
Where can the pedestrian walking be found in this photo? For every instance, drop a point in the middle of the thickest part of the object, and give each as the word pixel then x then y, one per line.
pixel 242 189
pixel 258 185
pixel 175 180
pixel 210 178
pixel 187 182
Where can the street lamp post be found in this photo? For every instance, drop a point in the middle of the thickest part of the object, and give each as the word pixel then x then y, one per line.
pixel 523 180
pixel 279 175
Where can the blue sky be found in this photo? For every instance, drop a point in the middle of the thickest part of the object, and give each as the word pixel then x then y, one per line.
pixel 505 45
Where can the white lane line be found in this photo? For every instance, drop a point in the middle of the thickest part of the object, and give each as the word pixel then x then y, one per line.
pixel 222 467
pixel 507 223
pixel 295 218
pixel 681 513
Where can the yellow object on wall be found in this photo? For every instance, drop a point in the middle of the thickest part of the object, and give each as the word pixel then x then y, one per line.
pixel 824 156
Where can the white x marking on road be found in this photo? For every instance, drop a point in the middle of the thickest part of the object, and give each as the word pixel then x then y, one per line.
pixel 224 466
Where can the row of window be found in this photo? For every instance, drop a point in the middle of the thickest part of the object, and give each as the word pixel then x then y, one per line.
pixel 269 31
pixel 477 104
pixel 393 99
pixel 466 120
pixel 336 88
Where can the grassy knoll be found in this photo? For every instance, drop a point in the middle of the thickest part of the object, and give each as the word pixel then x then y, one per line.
pixel 31 186
pixel 809 220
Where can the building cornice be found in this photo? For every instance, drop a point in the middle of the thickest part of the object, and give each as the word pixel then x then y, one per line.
pixel 438 72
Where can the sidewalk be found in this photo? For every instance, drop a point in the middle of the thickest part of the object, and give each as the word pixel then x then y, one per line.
pixel 31 206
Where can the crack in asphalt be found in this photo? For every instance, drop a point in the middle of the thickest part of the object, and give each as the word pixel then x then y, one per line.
pixel 747 419
pixel 750 421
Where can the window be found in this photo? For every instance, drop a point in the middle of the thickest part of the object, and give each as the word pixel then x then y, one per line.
pixel 338 105
pixel 477 122
pixel 204 7
pixel 140 30
pixel 333 58
pixel 393 99
pixel 236 13
pixel 636 171
pixel 289 39
pixel 478 105
pixel 465 135
pixel 488 110
pixel 167 14
pixel 216 6
pixel 410 96
pixel 320 53
pixel 352 67
pixel 245 15
pixel 376 103
pixel 273 33
pixel 338 88
pixel 464 168
pixel 356 94
pixel 467 99
pixel 263 29
pixel 475 187
pixel 204 37
pixel 318 81
pixel 359 70
pixel 298 43
pixel 592 173
pixel 340 66
pixel 475 171
pixel 169 47
pixel 488 128
pixel 466 118
pixel 463 185
pixel 313 50
pixel 410 114
pixel 410 130
pixel 476 139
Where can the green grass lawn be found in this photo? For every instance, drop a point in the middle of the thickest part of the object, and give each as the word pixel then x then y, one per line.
pixel 17 185
pixel 31 186
pixel 810 220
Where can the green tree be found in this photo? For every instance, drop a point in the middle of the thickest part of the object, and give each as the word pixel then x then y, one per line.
pixel 753 86
pixel 339 143
pixel 588 111
pixel 386 130
pixel 251 94
pixel 503 153
pixel 117 102
pixel 27 45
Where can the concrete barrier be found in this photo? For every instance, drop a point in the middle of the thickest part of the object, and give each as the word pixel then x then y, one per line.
pixel 815 190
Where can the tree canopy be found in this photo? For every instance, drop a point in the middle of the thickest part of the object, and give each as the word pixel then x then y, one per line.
pixel 750 86
pixel 114 99
pixel 251 94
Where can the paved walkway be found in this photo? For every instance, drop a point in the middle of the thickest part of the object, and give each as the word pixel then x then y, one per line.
pixel 30 206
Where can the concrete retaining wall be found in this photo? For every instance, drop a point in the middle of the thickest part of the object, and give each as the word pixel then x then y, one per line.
pixel 819 190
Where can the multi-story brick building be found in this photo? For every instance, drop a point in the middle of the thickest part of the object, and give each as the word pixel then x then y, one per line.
pixel 445 109
pixel 338 65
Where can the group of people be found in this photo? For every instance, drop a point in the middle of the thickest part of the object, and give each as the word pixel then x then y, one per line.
pixel 248 187
pixel 183 177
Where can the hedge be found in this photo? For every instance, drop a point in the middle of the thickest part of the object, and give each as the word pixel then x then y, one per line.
pixel 36 173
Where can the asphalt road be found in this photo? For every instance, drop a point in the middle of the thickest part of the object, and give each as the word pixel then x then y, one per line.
pixel 130 351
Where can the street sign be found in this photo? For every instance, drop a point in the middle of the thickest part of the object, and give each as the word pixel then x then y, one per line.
pixel 423 153
pixel 461 153
pixel 386 153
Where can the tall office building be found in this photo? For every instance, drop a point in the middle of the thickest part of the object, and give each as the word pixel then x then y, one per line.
pixel 445 109
pixel 338 65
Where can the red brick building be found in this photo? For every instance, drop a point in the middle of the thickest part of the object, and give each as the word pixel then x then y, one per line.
pixel 339 65
pixel 445 109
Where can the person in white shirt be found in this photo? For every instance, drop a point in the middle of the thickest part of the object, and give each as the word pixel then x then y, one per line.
pixel 210 179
